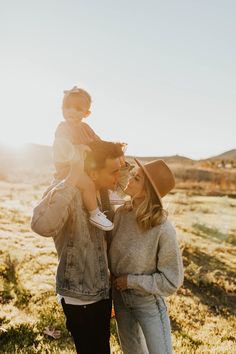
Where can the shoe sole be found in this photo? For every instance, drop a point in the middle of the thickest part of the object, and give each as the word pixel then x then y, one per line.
pixel 99 226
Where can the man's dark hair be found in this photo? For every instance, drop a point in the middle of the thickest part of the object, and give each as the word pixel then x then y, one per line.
pixel 101 151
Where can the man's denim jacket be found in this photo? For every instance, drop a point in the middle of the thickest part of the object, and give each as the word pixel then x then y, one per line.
pixel 82 271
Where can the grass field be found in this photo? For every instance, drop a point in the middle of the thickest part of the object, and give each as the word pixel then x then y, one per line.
pixel 202 312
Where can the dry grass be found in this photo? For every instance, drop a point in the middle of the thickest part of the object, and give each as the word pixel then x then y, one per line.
pixel 202 312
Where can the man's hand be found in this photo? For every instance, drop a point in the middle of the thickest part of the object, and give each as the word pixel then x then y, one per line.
pixel 121 283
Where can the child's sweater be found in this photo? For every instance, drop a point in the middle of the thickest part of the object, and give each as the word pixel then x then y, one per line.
pixel 77 134
pixel 80 134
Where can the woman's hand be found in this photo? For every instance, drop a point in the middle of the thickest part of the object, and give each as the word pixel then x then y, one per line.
pixel 121 283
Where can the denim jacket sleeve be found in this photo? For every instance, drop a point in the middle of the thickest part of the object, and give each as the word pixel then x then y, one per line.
pixel 50 215
pixel 169 275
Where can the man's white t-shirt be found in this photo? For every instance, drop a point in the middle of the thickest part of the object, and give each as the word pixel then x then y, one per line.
pixel 74 301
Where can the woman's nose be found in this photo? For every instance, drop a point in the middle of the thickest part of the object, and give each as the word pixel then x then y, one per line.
pixel 131 179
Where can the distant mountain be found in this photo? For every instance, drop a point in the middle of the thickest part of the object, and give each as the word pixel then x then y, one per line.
pixel 228 155
pixel 34 164
pixel 34 156
pixel 27 155
pixel 169 159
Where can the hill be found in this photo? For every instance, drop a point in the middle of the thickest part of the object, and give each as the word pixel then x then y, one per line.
pixel 228 155
pixel 215 175
pixel 35 154
pixel 175 159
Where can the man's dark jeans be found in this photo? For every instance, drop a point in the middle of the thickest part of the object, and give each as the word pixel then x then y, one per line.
pixel 89 326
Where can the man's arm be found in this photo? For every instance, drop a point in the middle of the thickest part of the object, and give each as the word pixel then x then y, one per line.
pixel 51 214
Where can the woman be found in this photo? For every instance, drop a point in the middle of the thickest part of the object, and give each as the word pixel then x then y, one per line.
pixel 145 261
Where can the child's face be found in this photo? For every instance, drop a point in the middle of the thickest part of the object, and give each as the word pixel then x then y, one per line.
pixel 74 111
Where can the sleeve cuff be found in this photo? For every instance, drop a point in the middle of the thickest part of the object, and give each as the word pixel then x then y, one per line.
pixel 132 281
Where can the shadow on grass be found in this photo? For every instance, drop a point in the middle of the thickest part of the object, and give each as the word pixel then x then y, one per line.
pixel 214 234
pixel 190 344
pixel 175 326
pixel 209 293
pixel 21 335
pixel 11 286
pixel 24 338
pixel 207 262
pixel 30 338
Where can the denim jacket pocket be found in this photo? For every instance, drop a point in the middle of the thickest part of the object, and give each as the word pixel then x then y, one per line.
pixel 69 261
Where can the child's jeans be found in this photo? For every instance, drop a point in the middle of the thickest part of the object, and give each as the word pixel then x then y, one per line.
pixel 143 323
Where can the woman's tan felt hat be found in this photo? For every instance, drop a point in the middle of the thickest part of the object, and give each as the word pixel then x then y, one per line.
pixel 159 175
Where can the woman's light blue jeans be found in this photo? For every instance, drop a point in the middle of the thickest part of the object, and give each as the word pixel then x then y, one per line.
pixel 143 323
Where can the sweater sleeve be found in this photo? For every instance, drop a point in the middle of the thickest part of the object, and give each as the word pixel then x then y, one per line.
pixel 52 212
pixel 88 133
pixel 169 275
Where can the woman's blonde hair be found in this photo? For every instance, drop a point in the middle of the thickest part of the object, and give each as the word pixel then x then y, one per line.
pixel 150 212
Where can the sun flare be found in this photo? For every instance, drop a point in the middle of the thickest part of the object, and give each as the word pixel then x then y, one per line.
pixel 13 145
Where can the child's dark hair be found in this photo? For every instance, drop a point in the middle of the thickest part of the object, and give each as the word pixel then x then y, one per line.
pixel 101 151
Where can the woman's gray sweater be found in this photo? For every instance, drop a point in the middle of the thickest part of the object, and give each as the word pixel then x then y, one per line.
pixel 152 259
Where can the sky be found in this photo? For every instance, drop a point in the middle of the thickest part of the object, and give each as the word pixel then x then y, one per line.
pixel 161 74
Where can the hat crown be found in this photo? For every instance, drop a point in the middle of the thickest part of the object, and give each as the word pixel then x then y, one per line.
pixel 159 175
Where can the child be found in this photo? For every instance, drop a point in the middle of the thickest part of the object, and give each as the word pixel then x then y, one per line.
pixel 71 138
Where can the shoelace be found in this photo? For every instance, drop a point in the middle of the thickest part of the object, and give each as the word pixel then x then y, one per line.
pixel 100 214
pixel 105 211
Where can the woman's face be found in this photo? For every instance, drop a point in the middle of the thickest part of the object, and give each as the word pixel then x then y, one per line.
pixel 135 186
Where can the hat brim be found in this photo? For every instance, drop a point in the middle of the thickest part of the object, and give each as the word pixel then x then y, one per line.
pixel 150 180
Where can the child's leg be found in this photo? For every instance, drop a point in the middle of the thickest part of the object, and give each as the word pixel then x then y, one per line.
pixel 89 196
pixel 97 218
pixel 87 188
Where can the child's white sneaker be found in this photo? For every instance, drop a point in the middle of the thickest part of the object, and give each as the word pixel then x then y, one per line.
pixel 115 198
pixel 100 221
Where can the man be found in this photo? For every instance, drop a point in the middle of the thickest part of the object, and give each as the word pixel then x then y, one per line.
pixel 82 280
